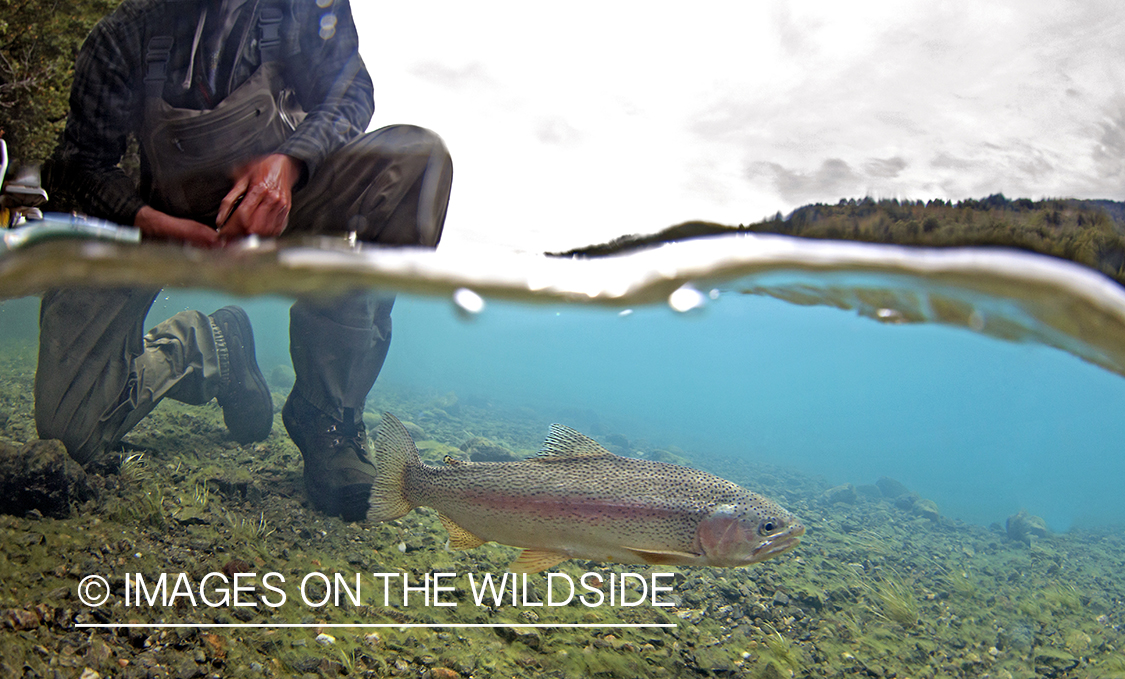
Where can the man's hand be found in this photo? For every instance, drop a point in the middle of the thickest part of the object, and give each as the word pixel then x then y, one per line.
pixel 261 198
pixel 156 224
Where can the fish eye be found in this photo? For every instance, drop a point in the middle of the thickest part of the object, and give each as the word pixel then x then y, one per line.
pixel 768 526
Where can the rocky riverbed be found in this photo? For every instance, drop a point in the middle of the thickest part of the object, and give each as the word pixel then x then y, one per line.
pixel 882 585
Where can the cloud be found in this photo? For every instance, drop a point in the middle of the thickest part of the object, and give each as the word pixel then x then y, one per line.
pixel 886 168
pixel 558 132
pixel 1109 150
pixel 946 161
pixel 833 179
pixel 950 100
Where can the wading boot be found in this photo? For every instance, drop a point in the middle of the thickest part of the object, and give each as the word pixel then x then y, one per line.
pixel 338 471
pixel 244 396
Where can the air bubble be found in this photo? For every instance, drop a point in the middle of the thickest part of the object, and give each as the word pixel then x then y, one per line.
pixel 686 298
pixel 889 315
pixel 468 302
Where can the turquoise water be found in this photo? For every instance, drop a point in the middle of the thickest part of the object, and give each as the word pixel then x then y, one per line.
pixel 788 398
pixel 981 426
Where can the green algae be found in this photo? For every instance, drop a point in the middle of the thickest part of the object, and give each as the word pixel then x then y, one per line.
pixel 872 590
pixel 893 600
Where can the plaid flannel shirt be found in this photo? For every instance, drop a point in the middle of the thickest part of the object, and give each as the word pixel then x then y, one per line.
pixel 321 62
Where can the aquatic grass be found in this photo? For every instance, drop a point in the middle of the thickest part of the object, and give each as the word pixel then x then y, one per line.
pixel 779 652
pixel 894 599
pixel 849 625
pixel 348 659
pixel 1033 610
pixel 962 584
pixel 871 541
pixel 1114 668
pixel 133 469
pixel 1077 641
pixel 251 533
pixel 1063 597
pixel 201 495
pixel 145 507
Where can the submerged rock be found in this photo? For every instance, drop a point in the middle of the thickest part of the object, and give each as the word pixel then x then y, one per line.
pixel 282 377
pixel 906 502
pixel 926 508
pixel 661 455
pixel 40 476
pixel 870 491
pixel 416 432
pixel 845 494
pixel 449 403
pixel 1053 662
pixel 892 488
pixel 1022 527
pixel 481 449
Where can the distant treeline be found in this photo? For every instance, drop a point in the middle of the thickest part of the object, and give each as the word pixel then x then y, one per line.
pixel 1089 232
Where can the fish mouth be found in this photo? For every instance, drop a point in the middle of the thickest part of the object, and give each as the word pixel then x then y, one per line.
pixel 778 544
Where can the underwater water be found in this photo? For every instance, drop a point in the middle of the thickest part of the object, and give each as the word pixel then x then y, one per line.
pixel 790 400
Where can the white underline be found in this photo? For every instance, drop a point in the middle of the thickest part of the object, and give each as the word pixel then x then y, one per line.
pixel 380 624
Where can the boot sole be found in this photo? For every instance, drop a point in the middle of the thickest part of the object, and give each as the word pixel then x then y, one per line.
pixel 244 334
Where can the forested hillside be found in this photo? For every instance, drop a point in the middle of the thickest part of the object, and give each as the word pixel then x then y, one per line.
pixel 1090 232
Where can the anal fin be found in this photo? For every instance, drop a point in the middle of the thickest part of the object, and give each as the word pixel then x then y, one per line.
pixel 459 538
pixel 668 557
pixel 535 560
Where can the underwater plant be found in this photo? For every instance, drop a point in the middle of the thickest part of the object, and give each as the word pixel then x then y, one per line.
pixel 849 625
pixel 145 507
pixel 133 469
pixel 1063 596
pixel 895 600
pixel 962 584
pixel 250 532
pixel 778 655
pixel 200 496
pixel 1114 668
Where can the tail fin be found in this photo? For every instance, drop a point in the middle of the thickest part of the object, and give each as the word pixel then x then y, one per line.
pixel 394 454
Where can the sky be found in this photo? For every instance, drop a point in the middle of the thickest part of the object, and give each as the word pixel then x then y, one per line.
pixel 573 123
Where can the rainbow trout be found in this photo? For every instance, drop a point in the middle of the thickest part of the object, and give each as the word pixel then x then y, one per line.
pixel 577 500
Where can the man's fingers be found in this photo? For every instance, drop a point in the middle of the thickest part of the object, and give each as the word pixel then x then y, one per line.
pixel 260 201
pixel 264 212
pixel 162 226
pixel 231 201
pixel 271 217
pixel 191 232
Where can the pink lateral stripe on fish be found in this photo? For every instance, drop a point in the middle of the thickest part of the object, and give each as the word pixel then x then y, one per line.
pixel 577 500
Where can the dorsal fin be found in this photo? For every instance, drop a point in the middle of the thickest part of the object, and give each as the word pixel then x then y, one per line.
pixel 565 443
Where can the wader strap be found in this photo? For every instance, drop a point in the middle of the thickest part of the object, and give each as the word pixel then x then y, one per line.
pixel 160 50
pixel 269 41
pixel 156 59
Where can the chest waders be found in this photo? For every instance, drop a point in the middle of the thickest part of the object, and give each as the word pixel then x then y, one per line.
pixel 192 154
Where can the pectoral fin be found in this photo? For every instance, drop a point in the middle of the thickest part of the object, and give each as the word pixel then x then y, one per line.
pixel 459 538
pixel 535 560
pixel 665 557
